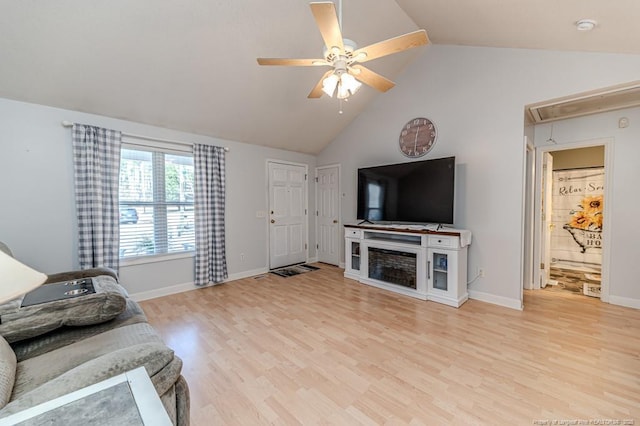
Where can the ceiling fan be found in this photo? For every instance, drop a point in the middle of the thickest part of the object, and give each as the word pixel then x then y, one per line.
pixel 342 55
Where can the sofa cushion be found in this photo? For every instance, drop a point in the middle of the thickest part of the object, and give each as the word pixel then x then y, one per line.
pixel 38 345
pixel 7 372
pixel 37 371
pixel 18 323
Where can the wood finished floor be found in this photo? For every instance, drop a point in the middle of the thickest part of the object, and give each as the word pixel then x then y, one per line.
pixel 321 349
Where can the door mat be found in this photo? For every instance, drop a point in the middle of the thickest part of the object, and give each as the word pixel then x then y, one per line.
pixel 290 271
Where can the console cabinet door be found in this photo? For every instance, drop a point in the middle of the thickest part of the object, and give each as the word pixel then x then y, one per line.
pixel 352 256
pixel 442 279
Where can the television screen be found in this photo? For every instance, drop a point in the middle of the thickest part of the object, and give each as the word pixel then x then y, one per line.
pixel 420 191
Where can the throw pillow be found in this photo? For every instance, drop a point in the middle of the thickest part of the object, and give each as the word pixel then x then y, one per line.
pixel 22 322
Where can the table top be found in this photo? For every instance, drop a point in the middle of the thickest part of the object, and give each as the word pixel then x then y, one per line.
pixel 127 399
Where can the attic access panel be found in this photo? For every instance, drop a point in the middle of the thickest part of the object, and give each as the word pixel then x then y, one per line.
pixel 614 98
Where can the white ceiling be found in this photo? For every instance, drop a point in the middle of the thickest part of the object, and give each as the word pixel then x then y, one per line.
pixel 192 65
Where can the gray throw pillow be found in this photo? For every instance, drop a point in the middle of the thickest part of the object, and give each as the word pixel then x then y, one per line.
pixel 22 322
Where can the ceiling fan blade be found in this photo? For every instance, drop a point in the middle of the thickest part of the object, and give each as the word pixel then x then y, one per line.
pixel 327 21
pixel 293 62
pixel 317 91
pixel 392 45
pixel 371 78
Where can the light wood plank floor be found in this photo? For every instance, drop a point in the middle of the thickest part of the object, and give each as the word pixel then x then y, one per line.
pixel 320 349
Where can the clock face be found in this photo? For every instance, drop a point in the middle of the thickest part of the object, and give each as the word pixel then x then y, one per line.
pixel 417 137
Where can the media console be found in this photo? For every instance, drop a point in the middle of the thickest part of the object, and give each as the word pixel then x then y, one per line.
pixel 410 260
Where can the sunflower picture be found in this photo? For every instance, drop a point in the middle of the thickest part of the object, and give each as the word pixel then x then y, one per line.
pixel 589 215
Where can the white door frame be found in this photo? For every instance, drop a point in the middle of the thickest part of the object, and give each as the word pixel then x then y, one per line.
pixel 528 205
pixel 606 226
pixel 339 207
pixel 268 201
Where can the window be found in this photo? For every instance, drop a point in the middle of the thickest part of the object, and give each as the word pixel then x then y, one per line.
pixel 156 203
pixel 375 200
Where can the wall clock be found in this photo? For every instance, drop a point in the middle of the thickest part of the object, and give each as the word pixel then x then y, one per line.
pixel 417 137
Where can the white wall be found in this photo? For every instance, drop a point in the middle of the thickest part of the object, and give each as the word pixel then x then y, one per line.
pixel 624 286
pixel 476 97
pixel 37 211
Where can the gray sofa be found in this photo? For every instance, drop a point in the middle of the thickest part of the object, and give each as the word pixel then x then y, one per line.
pixel 35 369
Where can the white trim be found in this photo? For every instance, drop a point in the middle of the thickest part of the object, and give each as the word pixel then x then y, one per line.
pixel 624 301
pixel 528 236
pixel 507 302
pixel 312 259
pixel 181 288
pixel 143 260
pixel 608 144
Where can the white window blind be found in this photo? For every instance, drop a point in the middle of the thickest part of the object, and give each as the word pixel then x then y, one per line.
pixel 156 202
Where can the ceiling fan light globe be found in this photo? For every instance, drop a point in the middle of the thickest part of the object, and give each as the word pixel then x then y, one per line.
pixel 329 84
pixel 349 83
pixel 342 93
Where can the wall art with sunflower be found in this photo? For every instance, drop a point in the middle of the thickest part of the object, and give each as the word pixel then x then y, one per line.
pixel 585 223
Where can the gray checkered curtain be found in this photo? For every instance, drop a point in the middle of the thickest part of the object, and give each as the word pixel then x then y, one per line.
pixel 96 162
pixel 209 204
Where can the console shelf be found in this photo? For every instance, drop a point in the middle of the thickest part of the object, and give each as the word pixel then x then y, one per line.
pixel 411 260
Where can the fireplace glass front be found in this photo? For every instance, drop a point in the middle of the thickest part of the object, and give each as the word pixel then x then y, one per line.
pixel 392 266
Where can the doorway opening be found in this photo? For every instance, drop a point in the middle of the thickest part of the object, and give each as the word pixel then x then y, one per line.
pixel 574 199
pixel 570 218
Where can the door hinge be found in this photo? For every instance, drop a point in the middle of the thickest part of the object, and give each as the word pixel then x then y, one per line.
pixel 542 265
pixel 305 246
pixel 317 214
pixel 316 179
pixel 305 176
pixel 305 212
pixel 318 246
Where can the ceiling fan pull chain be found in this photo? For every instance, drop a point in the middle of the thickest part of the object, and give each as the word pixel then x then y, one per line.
pixel 340 14
pixel 340 106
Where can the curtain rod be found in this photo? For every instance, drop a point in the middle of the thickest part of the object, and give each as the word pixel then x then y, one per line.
pixel 66 123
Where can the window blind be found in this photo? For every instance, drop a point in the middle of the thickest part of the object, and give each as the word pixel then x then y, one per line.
pixel 156 201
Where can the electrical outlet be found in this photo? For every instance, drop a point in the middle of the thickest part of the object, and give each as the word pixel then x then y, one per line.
pixel 241 257
pixel 480 272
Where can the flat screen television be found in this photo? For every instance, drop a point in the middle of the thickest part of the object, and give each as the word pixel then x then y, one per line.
pixel 415 192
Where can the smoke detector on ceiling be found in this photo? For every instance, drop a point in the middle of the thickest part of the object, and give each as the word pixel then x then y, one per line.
pixel 586 24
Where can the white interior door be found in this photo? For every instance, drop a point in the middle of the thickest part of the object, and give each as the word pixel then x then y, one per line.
pixel 547 223
pixel 288 214
pixel 328 214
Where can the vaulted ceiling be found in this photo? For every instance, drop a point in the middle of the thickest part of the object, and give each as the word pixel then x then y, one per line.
pixel 191 66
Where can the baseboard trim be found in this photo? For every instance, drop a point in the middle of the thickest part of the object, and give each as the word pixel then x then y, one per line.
pixel 624 301
pixel 312 260
pixel 507 302
pixel 181 288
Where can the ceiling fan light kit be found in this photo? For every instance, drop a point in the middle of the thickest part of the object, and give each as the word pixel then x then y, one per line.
pixel 343 55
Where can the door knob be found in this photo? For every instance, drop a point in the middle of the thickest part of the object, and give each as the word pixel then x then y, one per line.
pixel 273 221
pixel 335 221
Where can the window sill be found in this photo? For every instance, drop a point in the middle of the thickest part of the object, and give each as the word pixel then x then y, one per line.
pixel 142 260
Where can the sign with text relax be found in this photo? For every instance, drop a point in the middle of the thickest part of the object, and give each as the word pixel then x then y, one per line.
pixel 577 205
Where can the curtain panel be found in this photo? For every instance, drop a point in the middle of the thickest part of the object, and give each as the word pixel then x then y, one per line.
pixel 209 214
pixel 96 161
